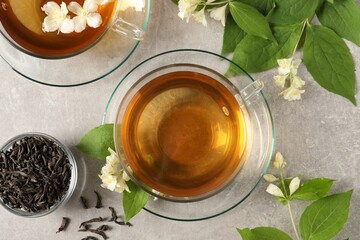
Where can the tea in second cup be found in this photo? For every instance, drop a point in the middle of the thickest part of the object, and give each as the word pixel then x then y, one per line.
pixel 57 29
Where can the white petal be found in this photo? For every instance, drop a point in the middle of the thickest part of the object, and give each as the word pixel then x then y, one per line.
pixel 297 82
pixel 75 8
pixel 274 190
pixel 270 178
pixel 186 9
pixel 90 6
pixel 280 80
pixel 67 26
pixel 51 24
pixel 296 63
pixel 94 20
pixel 294 185
pixel 79 26
pixel 285 62
pixel 279 162
pixel 125 176
pixel 50 7
pixel 64 10
pixel 292 93
pixel 200 17
pixel 219 14
pixel 284 71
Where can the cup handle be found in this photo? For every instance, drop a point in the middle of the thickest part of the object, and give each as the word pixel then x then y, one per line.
pixel 251 90
pixel 127 29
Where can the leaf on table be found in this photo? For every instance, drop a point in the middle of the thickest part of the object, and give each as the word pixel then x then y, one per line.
pixel 232 35
pixel 292 11
pixel 329 61
pixel 342 16
pixel 256 54
pixel 133 201
pixel 250 20
pixel 326 217
pixel 313 189
pixel 97 141
pixel 263 6
pixel 263 233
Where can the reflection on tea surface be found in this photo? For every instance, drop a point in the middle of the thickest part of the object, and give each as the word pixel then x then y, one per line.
pixel 22 20
pixel 183 134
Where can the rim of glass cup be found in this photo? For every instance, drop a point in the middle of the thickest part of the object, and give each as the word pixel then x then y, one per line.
pixel 81 51
pixel 72 184
pixel 271 150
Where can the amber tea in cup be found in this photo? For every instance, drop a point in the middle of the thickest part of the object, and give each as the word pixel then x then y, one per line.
pixel 183 134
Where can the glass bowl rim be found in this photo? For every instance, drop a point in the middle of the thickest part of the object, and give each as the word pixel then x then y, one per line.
pixel 72 183
pixel 148 10
pixel 267 107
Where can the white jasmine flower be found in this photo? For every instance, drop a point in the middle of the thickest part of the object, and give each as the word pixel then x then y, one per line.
pixel 288 65
pixel 279 162
pixel 270 178
pixel 280 80
pixel 57 18
pixel 112 178
pixel 219 14
pixel 109 181
pixel 200 17
pixel 292 93
pixel 187 8
pixel 113 158
pixel 85 15
pixel 121 184
pixel 109 169
pixel 294 185
pixel 297 82
pixel 274 190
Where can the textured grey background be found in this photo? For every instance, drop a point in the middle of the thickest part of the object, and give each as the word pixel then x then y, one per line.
pixel 319 136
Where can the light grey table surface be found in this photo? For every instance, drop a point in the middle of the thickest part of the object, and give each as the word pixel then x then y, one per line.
pixel 319 136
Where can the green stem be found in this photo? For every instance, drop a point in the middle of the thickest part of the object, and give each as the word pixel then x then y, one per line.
pixel 304 23
pixel 292 220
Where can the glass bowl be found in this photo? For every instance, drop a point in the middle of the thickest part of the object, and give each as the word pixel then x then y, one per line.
pixel 100 60
pixel 73 180
pixel 260 129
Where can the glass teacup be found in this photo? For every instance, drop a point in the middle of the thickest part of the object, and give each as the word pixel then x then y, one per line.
pixel 108 54
pixel 59 30
pixel 151 105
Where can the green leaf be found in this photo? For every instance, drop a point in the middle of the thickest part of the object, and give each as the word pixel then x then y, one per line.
pixel 342 16
pixel 329 61
pixel 250 20
pixel 134 201
pixel 175 1
pixel 325 218
pixel 263 6
pixel 232 36
pixel 96 142
pixel 263 233
pixel 292 11
pixel 255 54
pixel 313 189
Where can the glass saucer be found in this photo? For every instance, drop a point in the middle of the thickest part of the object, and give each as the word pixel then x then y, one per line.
pixel 260 139
pixel 89 66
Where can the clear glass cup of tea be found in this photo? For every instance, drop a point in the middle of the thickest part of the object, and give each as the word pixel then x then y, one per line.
pixel 58 29
pixel 187 131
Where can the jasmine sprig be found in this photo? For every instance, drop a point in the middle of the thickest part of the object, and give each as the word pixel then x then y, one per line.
pixel 260 32
pixel 317 221
pixel 99 143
